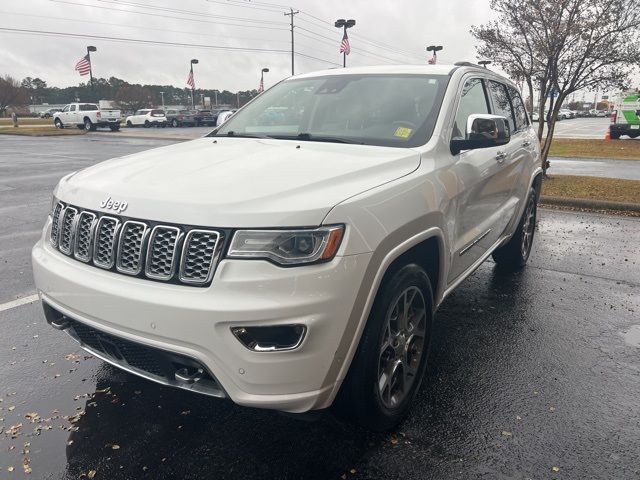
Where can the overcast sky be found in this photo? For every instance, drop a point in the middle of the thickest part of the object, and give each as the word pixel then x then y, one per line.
pixel 386 32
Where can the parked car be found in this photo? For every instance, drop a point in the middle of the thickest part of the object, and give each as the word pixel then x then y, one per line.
pixel 223 116
pixel 565 114
pixel 88 116
pixel 180 118
pixel 206 117
pixel 48 113
pixel 298 264
pixel 535 117
pixel 625 118
pixel 147 118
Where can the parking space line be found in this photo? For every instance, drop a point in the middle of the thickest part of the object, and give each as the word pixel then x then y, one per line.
pixel 18 302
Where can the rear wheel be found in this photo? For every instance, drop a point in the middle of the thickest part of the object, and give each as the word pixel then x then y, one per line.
pixel 515 253
pixel 388 367
pixel 615 136
pixel 88 126
pixel 174 123
pixel 114 128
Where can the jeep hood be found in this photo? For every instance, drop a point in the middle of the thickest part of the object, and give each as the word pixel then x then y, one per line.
pixel 237 182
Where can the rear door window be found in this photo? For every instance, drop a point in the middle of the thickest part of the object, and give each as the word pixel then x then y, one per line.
pixel 501 102
pixel 520 112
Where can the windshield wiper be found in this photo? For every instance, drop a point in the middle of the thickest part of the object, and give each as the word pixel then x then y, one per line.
pixel 308 137
pixel 231 133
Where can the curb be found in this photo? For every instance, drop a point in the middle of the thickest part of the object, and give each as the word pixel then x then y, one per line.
pixel 591 204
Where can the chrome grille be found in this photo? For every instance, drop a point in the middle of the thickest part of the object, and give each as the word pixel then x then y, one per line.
pixel 105 242
pixel 130 247
pixel 167 253
pixel 67 230
pixel 199 256
pixel 162 251
pixel 55 224
pixel 84 233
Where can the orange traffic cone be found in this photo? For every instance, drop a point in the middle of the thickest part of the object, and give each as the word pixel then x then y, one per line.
pixel 607 136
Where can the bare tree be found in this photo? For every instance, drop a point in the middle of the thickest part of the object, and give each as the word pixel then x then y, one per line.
pixel 11 94
pixel 562 46
pixel 134 97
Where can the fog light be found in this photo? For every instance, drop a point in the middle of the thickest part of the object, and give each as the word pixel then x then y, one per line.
pixel 270 339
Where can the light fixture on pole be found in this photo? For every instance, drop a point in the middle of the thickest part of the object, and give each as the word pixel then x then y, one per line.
pixel 262 72
pixel 345 47
pixel 434 49
pixel 90 49
pixel 192 81
pixel 484 63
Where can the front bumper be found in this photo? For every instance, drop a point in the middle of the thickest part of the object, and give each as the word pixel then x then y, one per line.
pixel 195 322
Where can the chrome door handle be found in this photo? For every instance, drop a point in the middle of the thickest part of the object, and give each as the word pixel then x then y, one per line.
pixel 500 156
pixel 526 144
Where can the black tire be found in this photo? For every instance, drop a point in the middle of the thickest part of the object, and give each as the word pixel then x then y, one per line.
pixel 175 123
pixel 80 126
pixel 514 254
pixel 147 124
pixel 163 125
pixel 615 136
pixel 129 124
pixel 360 398
pixel 114 128
pixel 58 123
pixel 88 126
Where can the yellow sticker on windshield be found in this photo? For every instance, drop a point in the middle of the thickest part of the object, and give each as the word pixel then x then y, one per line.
pixel 403 132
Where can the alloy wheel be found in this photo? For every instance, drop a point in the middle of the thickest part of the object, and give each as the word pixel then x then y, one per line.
pixel 402 347
pixel 528 227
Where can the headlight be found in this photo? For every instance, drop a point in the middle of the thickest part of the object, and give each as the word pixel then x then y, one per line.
pixel 288 247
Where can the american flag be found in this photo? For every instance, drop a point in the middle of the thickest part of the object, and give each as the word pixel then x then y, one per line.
pixel 432 60
pixel 344 45
pixel 190 81
pixel 83 67
pixel 261 87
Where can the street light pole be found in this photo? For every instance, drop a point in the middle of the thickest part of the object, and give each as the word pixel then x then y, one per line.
pixel 215 96
pixel 484 63
pixel 434 49
pixel 262 72
pixel 90 49
pixel 162 95
pixel 342 23
pixel 193 62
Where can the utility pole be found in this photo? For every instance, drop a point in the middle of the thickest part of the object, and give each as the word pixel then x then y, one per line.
pixel 291 14
pixel 215 97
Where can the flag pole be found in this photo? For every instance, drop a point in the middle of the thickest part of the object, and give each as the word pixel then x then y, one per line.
pixel 89 50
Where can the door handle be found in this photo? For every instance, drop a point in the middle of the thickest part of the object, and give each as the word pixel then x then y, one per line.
pixel 500 156
pixel 526 144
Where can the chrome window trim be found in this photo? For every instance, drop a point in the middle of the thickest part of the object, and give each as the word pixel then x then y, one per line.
pixel 96 262
pixel 72 236
pixel 91 232
pixel 141 256
pixel 217 250
pixel 179 236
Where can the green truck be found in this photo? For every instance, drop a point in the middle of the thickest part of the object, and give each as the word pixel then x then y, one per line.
pixel 625 119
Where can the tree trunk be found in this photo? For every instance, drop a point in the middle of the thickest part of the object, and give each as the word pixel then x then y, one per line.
pixel 551 126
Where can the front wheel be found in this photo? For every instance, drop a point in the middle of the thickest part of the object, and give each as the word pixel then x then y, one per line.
pixel 129 124
pixel 58 123
pixel 514 254
pixel 147 124
pixel 389 364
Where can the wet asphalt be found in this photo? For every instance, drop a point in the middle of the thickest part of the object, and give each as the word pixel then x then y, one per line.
pixel 532 375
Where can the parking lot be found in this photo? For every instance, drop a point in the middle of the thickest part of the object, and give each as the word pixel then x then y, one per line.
pixel 531 375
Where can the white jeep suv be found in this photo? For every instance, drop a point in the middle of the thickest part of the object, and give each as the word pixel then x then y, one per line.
pixel 294 257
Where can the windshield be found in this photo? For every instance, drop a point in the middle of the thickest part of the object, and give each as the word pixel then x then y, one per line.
pixel 387 110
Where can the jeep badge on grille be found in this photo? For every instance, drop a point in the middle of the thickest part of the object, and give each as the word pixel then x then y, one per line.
pixel 116 206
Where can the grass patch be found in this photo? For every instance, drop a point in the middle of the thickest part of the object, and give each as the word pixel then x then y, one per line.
pixel 592 188
pixel 41 131
pixel 27 121
pixel 626 149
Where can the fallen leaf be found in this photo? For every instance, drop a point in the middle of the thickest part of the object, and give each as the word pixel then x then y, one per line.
pixel 10 469
pixel 11 409
pixel 353 471
pixel 25 466
pixel 507 434
pixel 394 441
pixel 552 409
pixel 91 474
pixel 555 469
pixel 115 447
pixel 33 416
pixel 186 412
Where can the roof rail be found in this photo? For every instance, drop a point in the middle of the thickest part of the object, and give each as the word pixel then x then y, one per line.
pixel 467 64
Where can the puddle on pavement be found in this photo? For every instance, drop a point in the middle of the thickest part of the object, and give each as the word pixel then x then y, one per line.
pixel 632 336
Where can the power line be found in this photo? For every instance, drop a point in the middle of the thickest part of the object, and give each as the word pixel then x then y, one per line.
pixel 136 40
pixel 320 59
pixel 168 16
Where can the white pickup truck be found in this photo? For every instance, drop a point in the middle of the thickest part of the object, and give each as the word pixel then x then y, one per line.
pixel 88 116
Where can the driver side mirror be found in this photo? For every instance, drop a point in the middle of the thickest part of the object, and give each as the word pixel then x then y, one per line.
pixel 482 131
